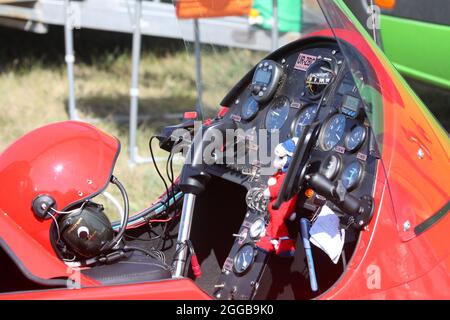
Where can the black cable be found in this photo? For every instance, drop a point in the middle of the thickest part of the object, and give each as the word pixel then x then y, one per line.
pixel 126 213
pixel 141 239
pixel 163 235
pixel 147 252
pixel 181 247
pixel 147 213
pixel 170 174
pixel 159 172
pixel 171 194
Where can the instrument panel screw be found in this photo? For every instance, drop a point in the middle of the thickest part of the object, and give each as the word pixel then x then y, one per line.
pixel 406 226
pixel 80 193
pixel 89 181
pixel 333 52
pixel 420 153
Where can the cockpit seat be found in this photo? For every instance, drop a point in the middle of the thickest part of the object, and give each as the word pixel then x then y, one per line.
pixel 135 267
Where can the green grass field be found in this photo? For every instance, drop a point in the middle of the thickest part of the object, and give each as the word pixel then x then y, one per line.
pixel 33 89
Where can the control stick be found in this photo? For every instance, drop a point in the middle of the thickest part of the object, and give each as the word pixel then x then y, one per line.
pixel 361 209
pixel 192 182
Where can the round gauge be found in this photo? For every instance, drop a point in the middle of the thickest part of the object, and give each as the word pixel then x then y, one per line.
pixel 352 175
pixel 306 117
pixel 244 258
pixel 277 114
pixel 355 138
pixel 332 132
pixel 318 76
pixel 331 166
pixel 257 229
pixel 249 109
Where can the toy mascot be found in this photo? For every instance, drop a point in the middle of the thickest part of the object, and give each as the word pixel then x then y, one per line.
pixel 277 237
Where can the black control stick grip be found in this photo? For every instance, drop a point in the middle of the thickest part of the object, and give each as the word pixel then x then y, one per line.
pixel 193 175
pixel 361 209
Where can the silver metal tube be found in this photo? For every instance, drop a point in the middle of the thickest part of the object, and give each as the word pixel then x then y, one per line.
pixel 70 58
pixel 275 35
pixel 183 233
pixel 198 69
pixel 134 89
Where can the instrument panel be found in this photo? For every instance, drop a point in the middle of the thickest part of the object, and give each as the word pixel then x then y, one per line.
pixel 305 83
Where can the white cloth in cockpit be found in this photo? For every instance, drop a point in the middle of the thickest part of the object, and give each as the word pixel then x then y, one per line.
pixel 327 235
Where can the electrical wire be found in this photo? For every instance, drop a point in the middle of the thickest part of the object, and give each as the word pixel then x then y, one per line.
pixel 57 226
pixel 126 214
pixel 157 169
pixel 147 252
pixel 171 194
pixel 70 211
pixel 181 247
pixel 143 217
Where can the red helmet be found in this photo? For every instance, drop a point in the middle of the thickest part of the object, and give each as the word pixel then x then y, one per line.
pixel 66 163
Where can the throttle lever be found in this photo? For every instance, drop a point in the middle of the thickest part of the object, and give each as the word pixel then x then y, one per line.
pixel 361 209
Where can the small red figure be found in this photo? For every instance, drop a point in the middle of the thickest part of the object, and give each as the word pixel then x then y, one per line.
pixel 277 237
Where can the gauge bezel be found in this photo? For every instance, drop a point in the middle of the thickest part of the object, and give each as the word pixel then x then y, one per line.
pixel 254 237
pixel 253 115
pixel 323 130
pixel 271 105
pixel 338 168
pixel 333 65
pixel 297 117
pixel 359 178
pixel 239 272
pixel 360 143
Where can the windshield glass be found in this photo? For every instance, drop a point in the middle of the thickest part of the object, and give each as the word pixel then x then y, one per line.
pixel 407 135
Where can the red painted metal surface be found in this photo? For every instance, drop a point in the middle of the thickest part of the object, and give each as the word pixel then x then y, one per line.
pixel 69 160
pixel 183 289
pixel 35 259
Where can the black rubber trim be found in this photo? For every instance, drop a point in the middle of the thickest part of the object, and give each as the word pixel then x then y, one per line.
pixel 30 276
pixel 424 226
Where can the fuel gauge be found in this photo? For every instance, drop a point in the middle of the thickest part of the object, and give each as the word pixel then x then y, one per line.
pixel 257 229
pixel 244 258
pixel 331 166
pixel 249 109
pixel 355 138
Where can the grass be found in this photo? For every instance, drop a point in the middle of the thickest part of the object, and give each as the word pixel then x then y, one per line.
pixel 33 90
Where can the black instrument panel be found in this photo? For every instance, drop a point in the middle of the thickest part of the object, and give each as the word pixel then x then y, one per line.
pixel 314 87
pixel 299 99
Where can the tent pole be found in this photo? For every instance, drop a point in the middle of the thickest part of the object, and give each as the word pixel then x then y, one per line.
pixel 70 58
pixel 134 89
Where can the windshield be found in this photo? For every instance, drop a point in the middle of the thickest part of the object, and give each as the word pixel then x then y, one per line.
pixel 408 136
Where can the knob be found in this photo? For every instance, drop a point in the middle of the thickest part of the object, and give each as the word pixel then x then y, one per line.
pixel 256 89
